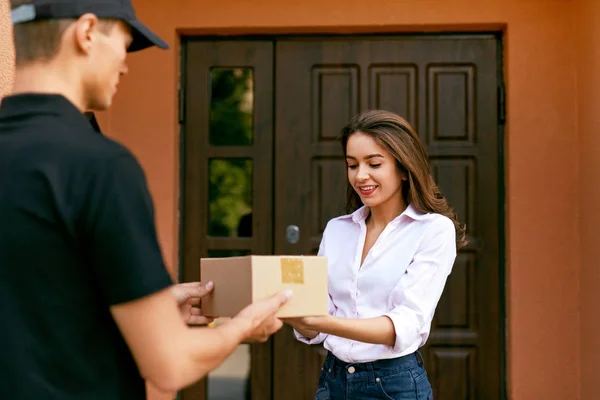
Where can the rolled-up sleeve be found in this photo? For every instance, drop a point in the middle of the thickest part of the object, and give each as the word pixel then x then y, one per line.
pixel 415 297
pixel 320 338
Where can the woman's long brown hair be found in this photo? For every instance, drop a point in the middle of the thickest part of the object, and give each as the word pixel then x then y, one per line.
pixel 395 134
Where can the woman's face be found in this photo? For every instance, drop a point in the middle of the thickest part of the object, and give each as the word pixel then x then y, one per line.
pixel 372 171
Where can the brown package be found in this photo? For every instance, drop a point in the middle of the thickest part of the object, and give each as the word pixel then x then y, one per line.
pixel 240 281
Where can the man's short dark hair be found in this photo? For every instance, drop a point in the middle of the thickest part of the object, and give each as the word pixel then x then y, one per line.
pixel 40 40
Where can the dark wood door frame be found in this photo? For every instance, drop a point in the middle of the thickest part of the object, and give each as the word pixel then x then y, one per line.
pixel 196 153
pixel 186 265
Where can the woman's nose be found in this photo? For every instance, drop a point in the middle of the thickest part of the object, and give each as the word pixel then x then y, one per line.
pixel 362 174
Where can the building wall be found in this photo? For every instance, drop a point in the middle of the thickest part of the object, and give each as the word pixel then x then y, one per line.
pixel 6 50
pixel 588 86
pixel 542 258
pixel 550 149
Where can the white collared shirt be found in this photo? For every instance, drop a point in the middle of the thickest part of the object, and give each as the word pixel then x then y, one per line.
pixel 402 277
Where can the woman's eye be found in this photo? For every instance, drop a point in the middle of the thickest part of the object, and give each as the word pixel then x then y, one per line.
pixel 375 165
pixel 352 166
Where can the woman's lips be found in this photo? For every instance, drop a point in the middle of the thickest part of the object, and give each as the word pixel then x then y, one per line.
pixel 367 190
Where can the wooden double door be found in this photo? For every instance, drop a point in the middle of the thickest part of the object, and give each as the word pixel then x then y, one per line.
pixel 263 172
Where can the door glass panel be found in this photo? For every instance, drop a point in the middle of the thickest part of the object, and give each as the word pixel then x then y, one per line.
pixel 230 197
pixel 231 106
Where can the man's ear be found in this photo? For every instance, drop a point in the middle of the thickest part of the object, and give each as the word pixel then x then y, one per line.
pixel 85 31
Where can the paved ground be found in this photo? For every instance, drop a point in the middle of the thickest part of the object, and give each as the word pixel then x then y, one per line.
pixel 228 382
pixel 226 388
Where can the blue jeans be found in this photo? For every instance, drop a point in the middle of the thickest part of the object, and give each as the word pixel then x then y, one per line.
pixel 401 378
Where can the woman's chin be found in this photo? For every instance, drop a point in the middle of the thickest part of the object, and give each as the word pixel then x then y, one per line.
pixel 369 202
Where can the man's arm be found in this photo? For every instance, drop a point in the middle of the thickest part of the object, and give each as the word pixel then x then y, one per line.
pixel 118 233
pixel 173 356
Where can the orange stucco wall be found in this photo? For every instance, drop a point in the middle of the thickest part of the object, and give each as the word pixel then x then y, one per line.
pixel 588 84
pixel 552 160
pixel 543 234
pixel 7 56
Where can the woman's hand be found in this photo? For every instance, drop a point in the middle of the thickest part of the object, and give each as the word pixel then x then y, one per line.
pixel 309 327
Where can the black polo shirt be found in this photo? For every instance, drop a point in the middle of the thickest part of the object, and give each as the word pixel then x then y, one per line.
pixel 77 235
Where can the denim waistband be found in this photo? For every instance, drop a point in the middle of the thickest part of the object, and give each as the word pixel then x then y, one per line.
pixel 413 360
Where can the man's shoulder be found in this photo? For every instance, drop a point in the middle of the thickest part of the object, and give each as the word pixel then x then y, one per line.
pixel 87 148
pixel 88 142
pixel 68 138
pixel 98 148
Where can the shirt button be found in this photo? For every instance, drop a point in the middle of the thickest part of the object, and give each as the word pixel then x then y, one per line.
pixel 351 370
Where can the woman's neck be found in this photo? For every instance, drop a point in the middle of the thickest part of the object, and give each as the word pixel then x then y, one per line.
pixel 381 215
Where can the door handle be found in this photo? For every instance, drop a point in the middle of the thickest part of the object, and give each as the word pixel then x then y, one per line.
pixel 292 234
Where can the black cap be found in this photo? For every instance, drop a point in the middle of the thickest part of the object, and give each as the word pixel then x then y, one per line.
pixel 105 9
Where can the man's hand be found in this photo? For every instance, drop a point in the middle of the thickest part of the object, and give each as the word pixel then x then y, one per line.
pixel 260 317
pixel 189 296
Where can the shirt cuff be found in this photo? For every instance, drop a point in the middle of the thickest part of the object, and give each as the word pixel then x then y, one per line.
pixel 406 334
pixel 320 338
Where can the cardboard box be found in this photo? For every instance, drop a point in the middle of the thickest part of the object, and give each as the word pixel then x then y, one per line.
pixel 240 281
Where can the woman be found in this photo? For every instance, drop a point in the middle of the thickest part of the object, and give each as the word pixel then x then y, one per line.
pixel 388 264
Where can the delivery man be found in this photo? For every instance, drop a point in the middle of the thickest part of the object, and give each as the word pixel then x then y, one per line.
pixel 88 308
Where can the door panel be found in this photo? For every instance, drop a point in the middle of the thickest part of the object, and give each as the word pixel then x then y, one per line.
pixel 446 87
pixel 227 190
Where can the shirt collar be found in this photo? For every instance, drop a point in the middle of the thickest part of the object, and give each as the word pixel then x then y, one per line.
pixel 362 213
pixel 31 104
pixel 412 212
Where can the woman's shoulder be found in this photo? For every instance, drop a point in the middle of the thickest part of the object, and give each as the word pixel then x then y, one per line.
pixel 342 220
pixel 438 225
pixel 431 223
pixel 438 219
pixel 342 225
pixel 428 218
pixel 346 219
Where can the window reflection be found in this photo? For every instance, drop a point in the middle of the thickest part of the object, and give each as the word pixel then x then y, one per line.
pixel 231 106
pixel 230 197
